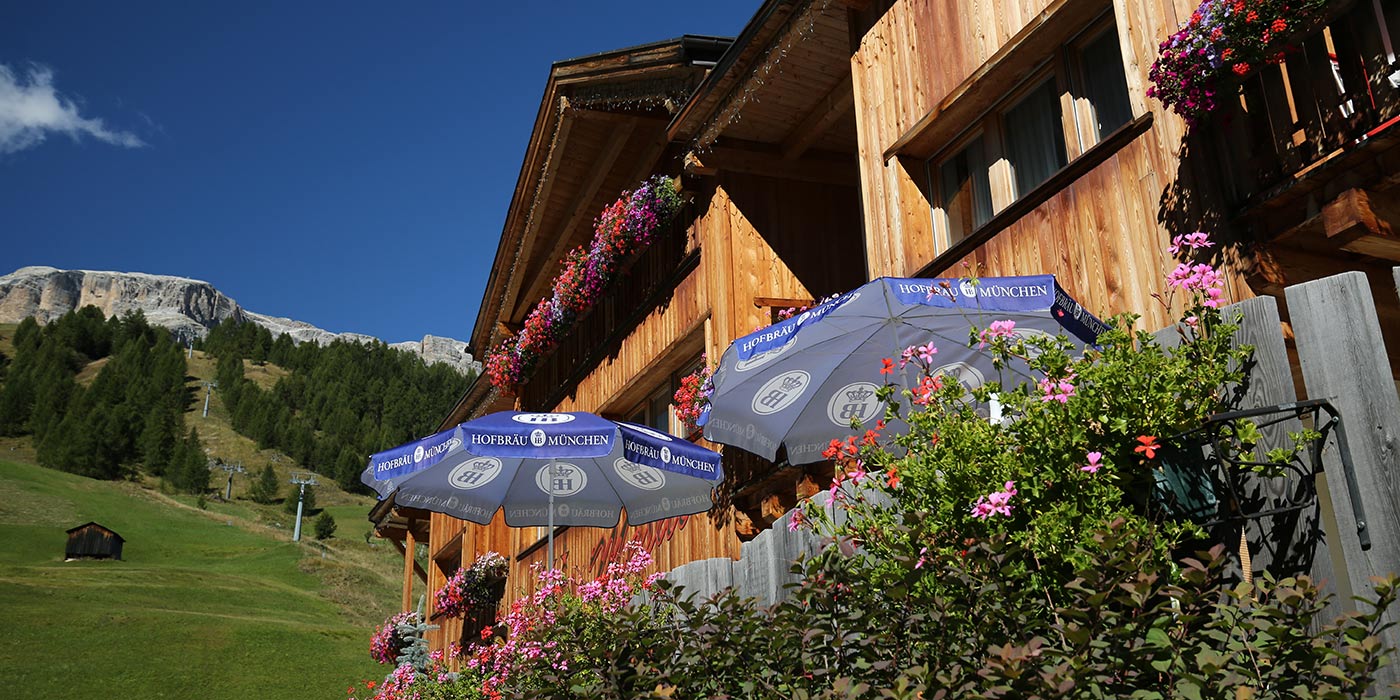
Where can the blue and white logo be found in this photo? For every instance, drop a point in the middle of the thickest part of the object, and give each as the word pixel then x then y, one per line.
pixel 475 473
pixel 537 437
pixel 561 478
pixel 780 392
pixel 761 359
pixel 666 454
pixel 639 475
pixel 964 373
pixel 418 453
pixel 855 401
pixel 542 418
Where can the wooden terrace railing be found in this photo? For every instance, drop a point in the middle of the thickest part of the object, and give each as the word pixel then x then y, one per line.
pixel 1340 88
pixel 646 282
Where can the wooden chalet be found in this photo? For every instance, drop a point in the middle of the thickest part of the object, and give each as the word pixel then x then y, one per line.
pixel 833 142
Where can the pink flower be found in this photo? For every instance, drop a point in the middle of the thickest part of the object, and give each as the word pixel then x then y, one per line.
pixel 1194 241
pixel 998 329
pixel 1093 466
pixel 1056 389
pixel 794 521
pixel 995 503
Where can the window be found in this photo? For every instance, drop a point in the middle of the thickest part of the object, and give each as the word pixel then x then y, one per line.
pixel 964 191
pixel 1035 138
pixel 1102 105
pixel 1070 102
pixel 655 410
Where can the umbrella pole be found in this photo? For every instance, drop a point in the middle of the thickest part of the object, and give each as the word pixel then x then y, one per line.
pixel 550 536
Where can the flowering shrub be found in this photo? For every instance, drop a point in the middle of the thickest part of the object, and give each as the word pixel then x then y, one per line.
pixel 693 397
pixel 472 586
pixel 434 682
pixel 554 635
pixel 388 641
pixel 1224 38
pixel 624 228
pixel 1076 445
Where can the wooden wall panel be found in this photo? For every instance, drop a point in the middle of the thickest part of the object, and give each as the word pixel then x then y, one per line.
pixel 1101 233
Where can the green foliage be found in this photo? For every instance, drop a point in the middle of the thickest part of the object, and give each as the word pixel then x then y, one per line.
pixel 189 469
pixel 1068 464
pixel 264 490
pixel 325 526
pixel 124 418
pixel 1128 627
pixel 295 494
pixel 339 403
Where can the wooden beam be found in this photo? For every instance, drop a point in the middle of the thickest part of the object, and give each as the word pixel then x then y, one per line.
pixel 581 206
pixel 769 163
pixel 831 108
pixel 417 568
pixel 539 202
pixel 1357 221
pixel 1365 223
pixel 1343 356
pixel 409 549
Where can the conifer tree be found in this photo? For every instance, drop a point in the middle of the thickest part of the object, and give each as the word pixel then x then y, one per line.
pixel 265 488
pixel 308 500
pixel 325 526
pixel 190 471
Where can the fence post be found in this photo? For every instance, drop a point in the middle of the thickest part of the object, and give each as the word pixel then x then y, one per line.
pixel 1293 543
pixel 1344 360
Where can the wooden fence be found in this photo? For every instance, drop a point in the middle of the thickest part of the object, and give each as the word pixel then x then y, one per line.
pixel 1335 541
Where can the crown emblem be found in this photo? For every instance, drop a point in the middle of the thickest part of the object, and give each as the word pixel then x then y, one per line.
pixel 792 383
pixel 859 394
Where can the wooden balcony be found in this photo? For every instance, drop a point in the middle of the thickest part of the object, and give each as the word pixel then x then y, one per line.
pixel 646 282
pixel 1308 149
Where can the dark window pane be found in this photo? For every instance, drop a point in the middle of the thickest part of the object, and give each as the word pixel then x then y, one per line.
pixel 1035 142
pixel 1105 87
pixel 965 191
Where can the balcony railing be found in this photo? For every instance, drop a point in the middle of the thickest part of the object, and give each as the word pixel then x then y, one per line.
pixel 647 281
pixel 1338 89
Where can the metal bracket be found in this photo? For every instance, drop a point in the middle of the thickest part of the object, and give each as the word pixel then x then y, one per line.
pixel 1232 468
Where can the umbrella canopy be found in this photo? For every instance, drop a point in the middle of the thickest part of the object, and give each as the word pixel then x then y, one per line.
pixel 801 382
pixel 588 467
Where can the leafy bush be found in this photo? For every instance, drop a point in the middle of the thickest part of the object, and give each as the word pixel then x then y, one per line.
pixel 1128 626
pixel 325 526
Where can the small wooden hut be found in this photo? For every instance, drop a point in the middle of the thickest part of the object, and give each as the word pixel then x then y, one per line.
pixel 93 541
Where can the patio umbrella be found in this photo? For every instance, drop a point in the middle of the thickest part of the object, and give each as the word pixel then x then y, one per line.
pixel 548 469
pixel 801 381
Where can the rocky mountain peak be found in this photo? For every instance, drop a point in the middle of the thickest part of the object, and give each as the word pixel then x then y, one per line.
pixel 188 307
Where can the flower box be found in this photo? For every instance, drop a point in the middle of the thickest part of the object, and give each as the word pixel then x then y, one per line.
pixel 1225 41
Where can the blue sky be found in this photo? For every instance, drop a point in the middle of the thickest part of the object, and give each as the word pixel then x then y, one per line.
pixel 348 164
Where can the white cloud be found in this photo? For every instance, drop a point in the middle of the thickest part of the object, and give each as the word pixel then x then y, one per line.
pixel 30 109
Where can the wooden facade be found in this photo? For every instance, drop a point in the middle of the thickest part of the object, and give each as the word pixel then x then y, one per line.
pixel 834 142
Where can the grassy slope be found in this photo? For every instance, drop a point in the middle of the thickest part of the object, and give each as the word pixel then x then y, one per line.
pixel 203 605
pixel 210 604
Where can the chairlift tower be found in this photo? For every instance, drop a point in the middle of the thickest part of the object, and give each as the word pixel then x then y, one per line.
pixel 231 469
pixel 302 480
pixel 208 389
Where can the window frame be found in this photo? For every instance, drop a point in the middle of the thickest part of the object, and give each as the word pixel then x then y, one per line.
pixel 1086 131
pixel 942 222
pixel 1064 67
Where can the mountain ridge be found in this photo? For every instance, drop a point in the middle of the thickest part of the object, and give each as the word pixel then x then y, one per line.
pixel 188 307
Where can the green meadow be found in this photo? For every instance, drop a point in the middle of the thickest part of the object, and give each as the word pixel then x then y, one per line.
pixel 205 603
